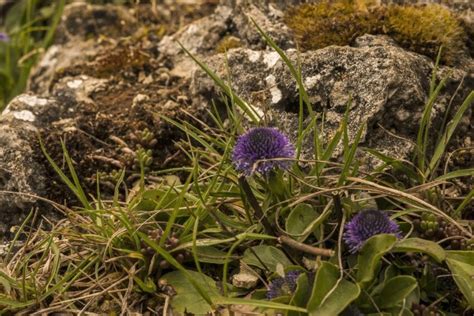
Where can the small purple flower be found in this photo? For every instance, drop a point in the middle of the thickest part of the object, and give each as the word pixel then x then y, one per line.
pixel 367 224
pixel 283 286
pixel 4 37
pixel 255 150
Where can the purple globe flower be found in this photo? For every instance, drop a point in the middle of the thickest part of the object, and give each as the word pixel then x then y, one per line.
pixel 283 286
pixel 256 151
pixel 4 37
pixel 367 224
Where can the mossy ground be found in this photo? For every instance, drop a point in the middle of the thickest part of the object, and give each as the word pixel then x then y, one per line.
pixel 423 29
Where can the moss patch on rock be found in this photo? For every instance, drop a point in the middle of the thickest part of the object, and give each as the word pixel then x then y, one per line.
pixel 423 29
pixel 325 23
pixel 228 42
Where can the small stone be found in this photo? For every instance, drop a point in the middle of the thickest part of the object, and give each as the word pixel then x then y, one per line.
pixel 139 99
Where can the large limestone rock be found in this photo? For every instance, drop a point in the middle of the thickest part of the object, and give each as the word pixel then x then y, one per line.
pixel 22 174
pixel 385 85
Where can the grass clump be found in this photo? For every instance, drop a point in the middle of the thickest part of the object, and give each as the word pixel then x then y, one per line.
pixel 423 29
pixel 30 26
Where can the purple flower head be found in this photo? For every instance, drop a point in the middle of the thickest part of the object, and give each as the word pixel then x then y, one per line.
pixel 262 143
pixel 367 224
pixel 4 37
pixel 283 286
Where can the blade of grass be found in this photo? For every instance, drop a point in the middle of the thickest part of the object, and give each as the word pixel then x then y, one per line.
pixel 252 113
pixel 178 266
pixel 349 157
pixel 451 127
pixel 77 191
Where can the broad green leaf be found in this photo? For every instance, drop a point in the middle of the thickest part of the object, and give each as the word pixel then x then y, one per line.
pixel 461 264
pixel 187 298
pixel 344 293
pixel 259 303
pixel 211 255
pixel 301 295
pixel 330 294
pixel 269 255
pixel 171 260
pixel 461 255
pixel 326 278
pixel 370 255
pixel 395 290
pixel 300 218
pixel 421 245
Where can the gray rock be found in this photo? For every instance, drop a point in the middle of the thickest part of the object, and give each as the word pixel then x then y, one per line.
pixel 22 176
pixel 387 87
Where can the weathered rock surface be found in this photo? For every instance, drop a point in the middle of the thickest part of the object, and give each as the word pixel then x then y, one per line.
pixel 22 174
pixel 386 86
pixel 105 88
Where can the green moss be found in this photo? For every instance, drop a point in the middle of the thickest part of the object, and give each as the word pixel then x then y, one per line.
pixel 425 29
pixel 227 43
pixel 422 29
pixel 327 23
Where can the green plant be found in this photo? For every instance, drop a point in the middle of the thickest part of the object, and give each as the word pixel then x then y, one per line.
pixel 30 25
pixel 177 243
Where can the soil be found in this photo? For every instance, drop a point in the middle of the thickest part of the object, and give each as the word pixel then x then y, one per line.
pixel 108 129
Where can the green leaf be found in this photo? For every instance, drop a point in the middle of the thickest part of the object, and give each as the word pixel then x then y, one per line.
pixel 75 186
pixel 394 162
pixel 330 294
pixel 351 151
pixel 197 286
pixel 423 131
pixel 5 284
pixel 441 146
pixel 370 255
pixel 461 255
pixel 187 298
pixel 396 290
pixel 461 264
pixel 147 286
pixel 301 295
pixel 469 172
pixel 344 293
pixel 421 245
pixel 326 277
pixel 269 255
pixel 300 218
pixel 259 303
pixel 211 255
